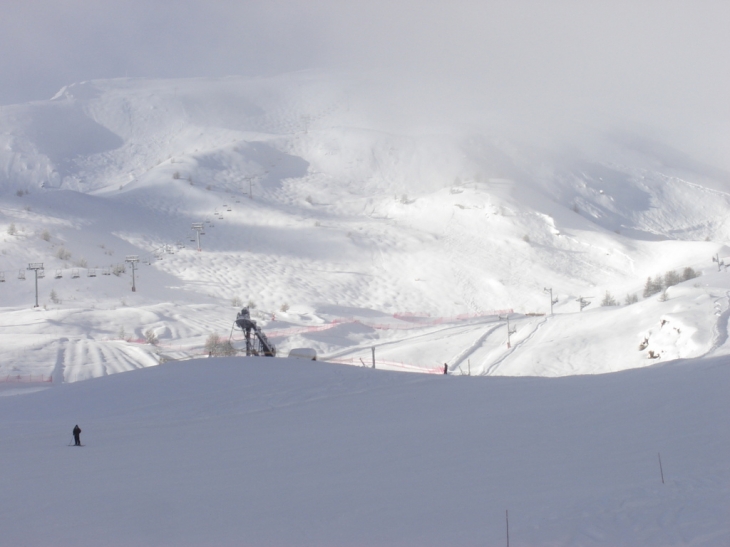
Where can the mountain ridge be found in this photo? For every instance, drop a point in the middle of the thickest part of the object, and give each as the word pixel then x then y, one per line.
pixel 316 193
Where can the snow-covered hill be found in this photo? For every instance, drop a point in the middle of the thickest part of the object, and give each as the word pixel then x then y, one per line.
pixel 257 451
pixel 351 220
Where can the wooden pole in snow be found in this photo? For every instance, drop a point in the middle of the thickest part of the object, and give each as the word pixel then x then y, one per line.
pixel 507 518
pixel 373 348
pixel 660 467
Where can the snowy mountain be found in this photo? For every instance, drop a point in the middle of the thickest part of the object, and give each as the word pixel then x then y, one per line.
pixel 351 218
pixel 378 228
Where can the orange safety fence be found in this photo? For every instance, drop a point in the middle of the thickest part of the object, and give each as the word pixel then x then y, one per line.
pixel 404 321
pixel 25 378
pixel 381 363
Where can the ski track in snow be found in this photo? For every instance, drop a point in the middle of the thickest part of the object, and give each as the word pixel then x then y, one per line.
pixel 468 352
pixel 720 329
pixel 492 368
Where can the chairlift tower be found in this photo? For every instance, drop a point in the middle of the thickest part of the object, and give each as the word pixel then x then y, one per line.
pixel 510 331
pixel 249 178
pixel 550 290
pixel 720 263
pixel 132 260
pixel 582 302
pixel 36 267
pixel 198 227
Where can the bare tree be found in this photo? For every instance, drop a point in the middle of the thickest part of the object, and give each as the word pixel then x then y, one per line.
pixel 215 346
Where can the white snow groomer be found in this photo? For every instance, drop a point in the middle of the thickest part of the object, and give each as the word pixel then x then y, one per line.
pixel 256 341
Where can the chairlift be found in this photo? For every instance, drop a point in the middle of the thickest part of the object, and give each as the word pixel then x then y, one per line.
pixel 229 209
pixel 21 274
pixel 91 273
pixel 41 274
pixel 74 273
pixel 106 271
pixel 2 277
pixel 59 274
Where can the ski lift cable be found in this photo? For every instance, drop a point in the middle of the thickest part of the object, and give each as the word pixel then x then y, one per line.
pixel 148 255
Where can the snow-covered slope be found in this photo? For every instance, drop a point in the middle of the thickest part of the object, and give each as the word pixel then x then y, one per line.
pixel 259 452
pixel 352 220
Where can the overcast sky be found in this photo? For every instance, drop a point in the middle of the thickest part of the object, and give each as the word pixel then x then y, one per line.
pixel 664 63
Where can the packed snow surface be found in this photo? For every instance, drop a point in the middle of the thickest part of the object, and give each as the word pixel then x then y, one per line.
pixel 287 452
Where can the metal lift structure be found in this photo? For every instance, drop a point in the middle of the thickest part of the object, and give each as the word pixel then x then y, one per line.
pixel 256 341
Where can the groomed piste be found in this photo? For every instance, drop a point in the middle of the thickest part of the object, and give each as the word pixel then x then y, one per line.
pixel 264 452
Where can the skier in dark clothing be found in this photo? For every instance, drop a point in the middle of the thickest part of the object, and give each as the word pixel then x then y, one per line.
pixel 77 435
pixel 446 368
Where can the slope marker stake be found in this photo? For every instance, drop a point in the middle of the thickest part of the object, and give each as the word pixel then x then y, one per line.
pixel 507 519
pixel 661 471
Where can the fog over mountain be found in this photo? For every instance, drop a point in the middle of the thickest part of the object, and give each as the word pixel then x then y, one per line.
pixel 649 67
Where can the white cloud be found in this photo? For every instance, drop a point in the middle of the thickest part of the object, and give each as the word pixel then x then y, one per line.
pixel 662 64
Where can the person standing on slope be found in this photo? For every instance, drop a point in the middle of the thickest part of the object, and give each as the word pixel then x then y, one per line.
pixel 446 368
pixel 77 435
